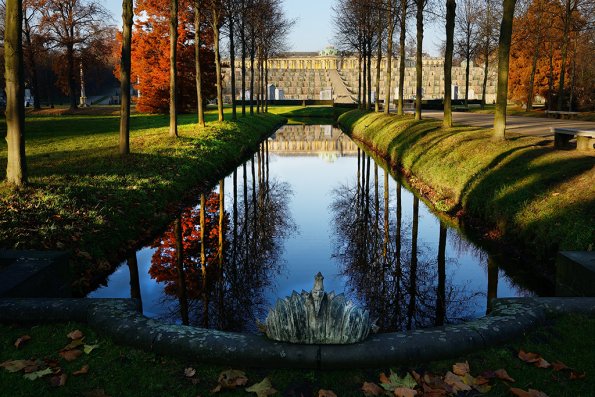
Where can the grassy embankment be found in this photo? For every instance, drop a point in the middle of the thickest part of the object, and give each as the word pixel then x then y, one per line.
pixel 522 188
pixel 123 371
pixel 85 198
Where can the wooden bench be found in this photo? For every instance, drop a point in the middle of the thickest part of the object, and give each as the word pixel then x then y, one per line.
pixel 585 139
pixel 560 114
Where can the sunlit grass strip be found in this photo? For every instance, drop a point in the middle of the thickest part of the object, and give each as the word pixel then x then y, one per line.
pixel 525 188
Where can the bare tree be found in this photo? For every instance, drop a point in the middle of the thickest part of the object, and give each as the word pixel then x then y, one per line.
pixel 467 24
pixel 16 170
pixel 402 38
pixel 71 25
pixel 216 11
pixel 487 40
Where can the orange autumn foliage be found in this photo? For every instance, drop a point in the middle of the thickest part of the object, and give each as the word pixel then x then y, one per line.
pixel 150 57
pixel 163 263
pixel 535 31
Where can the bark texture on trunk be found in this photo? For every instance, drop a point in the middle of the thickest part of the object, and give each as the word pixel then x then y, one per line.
pixel 173 70
pixel 127 16
pixel 503 64
pixel 418 60
pixel 16 170
pixel 450 29
pixel 389 56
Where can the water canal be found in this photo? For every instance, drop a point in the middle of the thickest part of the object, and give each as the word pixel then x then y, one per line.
pixel 309 200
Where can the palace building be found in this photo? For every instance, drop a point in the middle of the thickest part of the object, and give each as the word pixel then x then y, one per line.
pixel 329 75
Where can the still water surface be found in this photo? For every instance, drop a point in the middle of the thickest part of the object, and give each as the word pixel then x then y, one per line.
pixel 309 200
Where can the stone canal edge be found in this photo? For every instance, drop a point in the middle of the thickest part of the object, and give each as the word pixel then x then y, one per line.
pixel 121 320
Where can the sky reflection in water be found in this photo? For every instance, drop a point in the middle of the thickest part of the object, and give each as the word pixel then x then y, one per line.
pixel 308 211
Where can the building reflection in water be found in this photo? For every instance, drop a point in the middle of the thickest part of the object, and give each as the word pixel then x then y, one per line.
pixel 217 258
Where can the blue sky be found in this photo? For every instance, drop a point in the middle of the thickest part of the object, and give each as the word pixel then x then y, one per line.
pixel 314 26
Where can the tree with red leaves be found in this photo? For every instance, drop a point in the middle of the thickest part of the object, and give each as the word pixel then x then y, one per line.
pixel 150 57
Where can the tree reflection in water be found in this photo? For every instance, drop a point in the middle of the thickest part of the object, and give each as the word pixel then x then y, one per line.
pixel 215 261
pixel 389 271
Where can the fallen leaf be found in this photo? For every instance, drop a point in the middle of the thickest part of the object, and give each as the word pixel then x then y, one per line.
pixel 502 374
pixel 326 393
pixel 76 334
pixel 32 368
pixel 95 393
pixel 461 368
pixel 541 363
pixel 20 341
pixel 58 380
pixel 230 379
pixel 262 389
pixel 404 392
pixel 575 375
pixel 559 366
pixel 456 382
pixel 16 365
pixel 431 392
pixel 189 372
pixel 73 345
pixel 372 389
pixel 530 393
pixel 393 381
pixel 84 369
pixel 480 380
pixel 70 355
pixel 38 374
pixel 529 357
pixel 89 348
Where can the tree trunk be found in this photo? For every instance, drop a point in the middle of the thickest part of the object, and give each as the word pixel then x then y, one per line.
pixel 232 61
pixel 16 170
pixel 400 110
pixel 389 56
pixel 565 40
pixel 71 76
pixel 173 70
pixel 364 78
pixel 266 84
pixel 359 81
pixel 369 74
pixel 467 69
pixel 551 79
pixel 503 63
pixel 418 60
pixel 243 39
pixel 32 66
pixel 252 56
pixel 378 62
pixel 215 25
pixel 200 106
pixel 532 78
pixel 450 29
pixel 485 76
pixel 127 15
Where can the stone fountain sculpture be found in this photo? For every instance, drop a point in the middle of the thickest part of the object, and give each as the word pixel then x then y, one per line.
pixel 317 317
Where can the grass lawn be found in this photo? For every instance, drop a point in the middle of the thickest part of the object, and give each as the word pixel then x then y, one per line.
pixel 85 198
pixel 531 193
pixel 123 371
